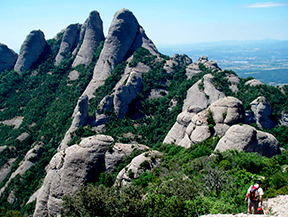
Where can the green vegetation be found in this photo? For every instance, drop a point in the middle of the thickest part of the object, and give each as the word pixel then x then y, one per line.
pixel 188 183
pixel 45 97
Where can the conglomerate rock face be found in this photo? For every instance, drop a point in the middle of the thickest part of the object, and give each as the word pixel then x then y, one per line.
pixel 69 41
pixel 262 110
pixel 31 49
pixel 92 37
pixel 121 36
pixel 7 57
pixel 70 169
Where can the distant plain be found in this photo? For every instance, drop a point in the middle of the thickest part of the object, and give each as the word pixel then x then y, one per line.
pixel 266 60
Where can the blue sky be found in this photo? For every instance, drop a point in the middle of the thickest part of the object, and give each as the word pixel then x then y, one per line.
pixel 165 22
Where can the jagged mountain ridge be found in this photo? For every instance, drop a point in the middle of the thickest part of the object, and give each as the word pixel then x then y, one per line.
pixel 118 47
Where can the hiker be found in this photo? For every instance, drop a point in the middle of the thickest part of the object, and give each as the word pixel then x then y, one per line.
pixel 254 193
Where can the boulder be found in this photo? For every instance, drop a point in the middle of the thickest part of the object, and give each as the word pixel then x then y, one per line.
pixel 70 169
pixel 31 50
pixel 92 37
pixel 228 110
pixel 120 38
pixel 248 139
pixel 68 42
pixel 254 82
pixel 262 110
pixel 202 93
pixel 143 162
pixel 7 57
pixel 118 153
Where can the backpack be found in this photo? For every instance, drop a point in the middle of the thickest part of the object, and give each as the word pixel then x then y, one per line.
pixel 252 193
pixel 260 210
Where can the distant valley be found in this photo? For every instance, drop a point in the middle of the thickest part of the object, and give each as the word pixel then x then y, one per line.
pixel 266 60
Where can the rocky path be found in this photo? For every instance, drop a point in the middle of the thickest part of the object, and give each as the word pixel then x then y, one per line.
pixel 277 206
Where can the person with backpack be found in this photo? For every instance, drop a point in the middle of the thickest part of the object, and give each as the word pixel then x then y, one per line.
pixel 254 194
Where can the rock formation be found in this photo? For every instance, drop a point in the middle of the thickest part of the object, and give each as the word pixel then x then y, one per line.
pixel 92 38
pixel 125 94
pixel 210 64
pixel 70 169
pixel 177 60
pixel 234 81
pixel 124 37
pixel 80 119
pixel 202 93
pixel 143 162
pixel 254 82
pixel 31 157
pixel 118 154
pixel 262 110
pixel 99 119
pixel 68 43
pixel 7 57
pixel 192 69
pixel 284 119
pixel 193 126
pixel 121 36
pixel 31 49
pixel 248 139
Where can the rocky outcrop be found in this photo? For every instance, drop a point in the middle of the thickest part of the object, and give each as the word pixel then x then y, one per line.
pixel 121 36
pixel 32 48
pixel 125 94
pixel 68 43
pixel 118 153
pixel 177 60
pixel 31 157
pixel 7 57
pixel 284 119
pixel 248 139
pixel 202 93
pixel 142 40
pixel 192 69
pixel 6 168
pixel 124 37
pixel 210 64
pixel 92 37
pixel 16 121
pixel 193 126
pixel 100 118
pixel 70 169
pixel 178 131
pixel 80 119
pixel 254 82
pixel 234 81
pixel 262 110
pixel 143 162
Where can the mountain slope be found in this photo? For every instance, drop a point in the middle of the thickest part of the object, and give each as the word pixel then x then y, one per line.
pixel 125 90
